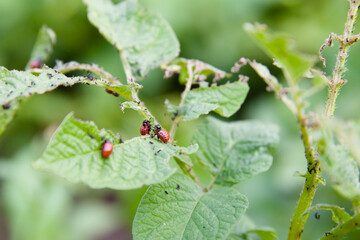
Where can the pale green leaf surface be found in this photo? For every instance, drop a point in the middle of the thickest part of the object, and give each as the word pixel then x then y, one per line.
pixel 43 46
pixel 172 110
pixel 42 49
pixel 224 100
pixel 7 115
pixel 279 47
pixel 234 236
pixel 265 74
pixel 245 228
pixel 183 154
pixel 265 234
pixel 15 84
pixel 179 209
pixel 74 152
pixel 235 151
pixel 131 105
pixel 342 170
pixel 144 39
pixel 339 215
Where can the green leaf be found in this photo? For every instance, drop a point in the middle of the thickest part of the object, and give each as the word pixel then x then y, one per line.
pixel 145 40
pixel 234 236
pixel 265 74
pixel 339 215
pixel 201 70
pixel 42 49
pixel 224 100
pixel 172 110
pixel 184 153
pixel 235 151
pixel 342 169
pixel 131 105
pixel 15 84
pixel 8 112
pixel 43 46
pixel 279 47
pixel 74 152
pixel 246 227
pixel 179 209
pixel 265 234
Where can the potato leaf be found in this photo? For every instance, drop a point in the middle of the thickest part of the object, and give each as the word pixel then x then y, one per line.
pixel 145 40
pixel 235 151
pixel 179 209
pixel 74 152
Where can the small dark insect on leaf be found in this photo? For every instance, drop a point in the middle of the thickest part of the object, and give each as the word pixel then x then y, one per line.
pixel 178 187
pixel 90 77
pixel 317 216
pixel 166 192
pixel 5 106
pixel 91 136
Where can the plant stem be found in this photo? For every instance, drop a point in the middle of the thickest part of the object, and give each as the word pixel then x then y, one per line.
pixel 356 205
pixel 72 66
pixel 343 229
pixel 345 41
pixel 131 83
pixel 189 172
pixel 312 176
pixel 182 101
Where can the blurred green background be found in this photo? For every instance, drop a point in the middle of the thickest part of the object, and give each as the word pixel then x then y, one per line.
pixel 35 205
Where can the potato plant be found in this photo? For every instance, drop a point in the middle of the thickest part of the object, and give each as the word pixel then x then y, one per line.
pixel 179 203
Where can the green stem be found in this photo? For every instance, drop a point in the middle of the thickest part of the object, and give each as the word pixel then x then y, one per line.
pixel 189 172
pixel 182 101
pixel 312 176
pixel 72 66
pixel 356 205
pixel 343 229
pixel 131 83
pixel 345 41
